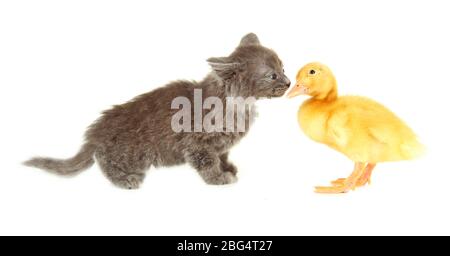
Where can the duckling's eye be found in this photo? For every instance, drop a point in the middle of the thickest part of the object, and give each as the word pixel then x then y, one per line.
pixel 274 76
pixel 312 72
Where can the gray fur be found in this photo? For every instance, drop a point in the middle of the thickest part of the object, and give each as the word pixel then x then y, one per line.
pixel 83 160
pixel 130 138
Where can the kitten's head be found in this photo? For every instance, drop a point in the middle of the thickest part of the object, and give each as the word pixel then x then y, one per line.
pixel 252 70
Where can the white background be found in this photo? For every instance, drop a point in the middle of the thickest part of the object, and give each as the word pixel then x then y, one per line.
pixel 63 62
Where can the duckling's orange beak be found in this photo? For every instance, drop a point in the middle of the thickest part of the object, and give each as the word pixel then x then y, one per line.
pixel 297 90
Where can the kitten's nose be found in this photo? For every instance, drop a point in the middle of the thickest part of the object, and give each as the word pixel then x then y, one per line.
pixel 287 81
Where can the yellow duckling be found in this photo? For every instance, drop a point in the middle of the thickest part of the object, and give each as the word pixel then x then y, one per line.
pixel 364 130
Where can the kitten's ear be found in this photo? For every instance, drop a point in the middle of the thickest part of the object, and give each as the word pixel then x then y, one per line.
pixel 224 67
pixel 250 39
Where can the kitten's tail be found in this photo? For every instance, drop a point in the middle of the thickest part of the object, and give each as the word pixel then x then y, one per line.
pixel 81 161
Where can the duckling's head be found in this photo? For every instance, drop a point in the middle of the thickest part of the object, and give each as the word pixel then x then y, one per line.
pixel 316 80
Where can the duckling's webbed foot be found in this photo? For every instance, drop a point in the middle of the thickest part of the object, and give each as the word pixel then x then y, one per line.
pixel 359 177
pixel 362 181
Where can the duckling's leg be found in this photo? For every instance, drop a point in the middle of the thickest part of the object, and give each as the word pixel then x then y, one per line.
pixel 348 184
pixel 363 180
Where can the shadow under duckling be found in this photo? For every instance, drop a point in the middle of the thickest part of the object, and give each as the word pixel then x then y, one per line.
pixel 362 129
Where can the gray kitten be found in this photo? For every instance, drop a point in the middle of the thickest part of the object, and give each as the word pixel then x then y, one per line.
pixel 127 139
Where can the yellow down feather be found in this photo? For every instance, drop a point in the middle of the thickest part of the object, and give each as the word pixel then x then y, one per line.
pixel 362 129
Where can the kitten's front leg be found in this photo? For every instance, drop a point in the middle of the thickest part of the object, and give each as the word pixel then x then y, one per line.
pixel 226 166
pixel 208 165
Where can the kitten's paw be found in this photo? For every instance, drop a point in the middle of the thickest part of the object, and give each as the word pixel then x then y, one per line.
pixel 228 167
pixel 223 178
pixel 131 181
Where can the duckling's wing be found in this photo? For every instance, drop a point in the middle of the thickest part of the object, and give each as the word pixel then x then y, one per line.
pixel 366 131
pixel 337 127
pixel 363 117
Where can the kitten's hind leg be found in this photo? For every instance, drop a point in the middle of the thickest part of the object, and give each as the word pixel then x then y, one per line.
pixel 119 174
pixel 226 166
pixel 208 166
pixel 128 181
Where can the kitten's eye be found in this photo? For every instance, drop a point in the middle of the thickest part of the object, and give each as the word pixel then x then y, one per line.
pixel 274 76
pixel 312 72
pixel 283 70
